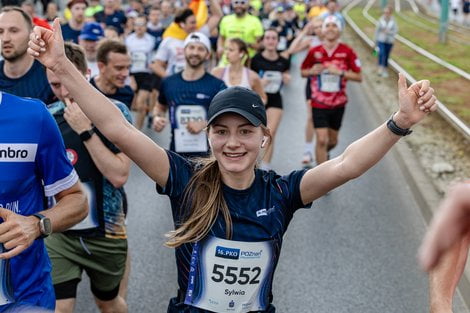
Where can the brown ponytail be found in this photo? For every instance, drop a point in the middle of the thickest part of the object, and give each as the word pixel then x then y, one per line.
pixel 204 197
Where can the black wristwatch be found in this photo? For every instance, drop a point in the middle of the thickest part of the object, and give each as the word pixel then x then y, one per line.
pixel 397 130
pixel 86 135
pixel 45 226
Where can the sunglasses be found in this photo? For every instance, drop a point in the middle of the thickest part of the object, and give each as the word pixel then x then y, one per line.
pixel 239 2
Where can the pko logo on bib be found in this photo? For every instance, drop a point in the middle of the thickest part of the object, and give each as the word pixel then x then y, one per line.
pixel 18 152
pixel 227 253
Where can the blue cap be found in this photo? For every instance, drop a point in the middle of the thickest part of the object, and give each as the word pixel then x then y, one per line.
pixel 91 31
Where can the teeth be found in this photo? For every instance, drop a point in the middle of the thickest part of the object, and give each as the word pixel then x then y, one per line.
pixel 234 154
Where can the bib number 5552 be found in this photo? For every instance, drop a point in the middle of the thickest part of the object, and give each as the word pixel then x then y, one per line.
pixel 232 274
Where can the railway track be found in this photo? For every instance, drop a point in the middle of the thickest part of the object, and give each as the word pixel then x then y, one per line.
pixel 448 115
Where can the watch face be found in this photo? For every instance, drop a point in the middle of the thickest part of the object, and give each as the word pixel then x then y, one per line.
pixel 46 226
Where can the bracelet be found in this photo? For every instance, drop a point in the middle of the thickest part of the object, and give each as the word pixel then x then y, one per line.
pixel 397 130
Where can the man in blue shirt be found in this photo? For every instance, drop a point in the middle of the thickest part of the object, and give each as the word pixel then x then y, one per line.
pixel 72 29
pixel 20 74
pixel 114 64
pixel 111 16
pixel 33 164
pixel 188 94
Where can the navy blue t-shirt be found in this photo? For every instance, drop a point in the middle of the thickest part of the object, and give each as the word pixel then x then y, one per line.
pixel 158 35
pixel 70 34
pixel 124 94
pixel 118 19
pixel 260 213
pixel 33 84
pixel 175 91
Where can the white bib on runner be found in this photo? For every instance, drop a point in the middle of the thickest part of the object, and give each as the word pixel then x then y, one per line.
pixel 274 79
pixel 6 292
pixel 330 82
pixel 184 140
pixel 230 276
pixel 139 61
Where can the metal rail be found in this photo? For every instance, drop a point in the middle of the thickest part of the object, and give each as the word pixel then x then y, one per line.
pixel 432 18
pixel 424 26
pixel 449 116
pixel 417 48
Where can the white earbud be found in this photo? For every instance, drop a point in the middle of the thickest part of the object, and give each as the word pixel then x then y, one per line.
pixel 263 142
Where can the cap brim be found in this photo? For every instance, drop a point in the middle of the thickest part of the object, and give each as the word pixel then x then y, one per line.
pixel 250 117
pixel 87 37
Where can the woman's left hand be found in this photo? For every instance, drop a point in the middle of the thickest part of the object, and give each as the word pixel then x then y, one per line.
pixel 415 102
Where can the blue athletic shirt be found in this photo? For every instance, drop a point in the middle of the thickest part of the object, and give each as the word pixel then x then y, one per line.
pixel 118 19
pixel 124 94
pixel 33 84
pixel 260 213
pixel 70 34
pixel 176 91
pixel 32 153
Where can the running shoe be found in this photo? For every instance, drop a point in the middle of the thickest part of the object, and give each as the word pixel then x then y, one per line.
pixel 307 160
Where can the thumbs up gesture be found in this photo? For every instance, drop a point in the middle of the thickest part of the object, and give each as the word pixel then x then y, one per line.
pixel 47 45
pixel 17 232
pixel 415 102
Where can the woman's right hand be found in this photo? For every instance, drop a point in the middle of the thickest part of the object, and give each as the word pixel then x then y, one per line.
pixel 46 45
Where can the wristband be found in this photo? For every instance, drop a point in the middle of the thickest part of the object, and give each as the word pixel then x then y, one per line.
pixel 86 135
pixel 394 128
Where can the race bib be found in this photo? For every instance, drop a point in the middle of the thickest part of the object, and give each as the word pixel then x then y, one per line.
pixel 184 140
pixel 139 62
pixel 274 79
pixel 329 82
pixel 230 276
pixel 91 221
pixel 6 290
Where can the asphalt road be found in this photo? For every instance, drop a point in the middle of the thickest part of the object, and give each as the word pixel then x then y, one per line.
pixel 353 251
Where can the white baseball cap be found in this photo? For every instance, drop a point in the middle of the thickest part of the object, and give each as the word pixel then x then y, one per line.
pixel 332 19
pixel 198 37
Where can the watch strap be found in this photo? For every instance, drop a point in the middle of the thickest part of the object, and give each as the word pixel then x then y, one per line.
pixel 41 219
pixel 397 130
pixel 86 135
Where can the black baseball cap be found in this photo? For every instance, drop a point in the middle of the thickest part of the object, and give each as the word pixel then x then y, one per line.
pixel 238 100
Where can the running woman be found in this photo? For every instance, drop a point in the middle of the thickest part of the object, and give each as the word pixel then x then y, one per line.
pixel 274 72
pixel 230 217
pixel 237 73
pixel 333 64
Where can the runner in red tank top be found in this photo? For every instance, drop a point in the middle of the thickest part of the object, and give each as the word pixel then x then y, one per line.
pixel 331 64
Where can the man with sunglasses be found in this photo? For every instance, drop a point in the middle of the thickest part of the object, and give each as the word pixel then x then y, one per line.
pixel 141 45
pixel 240 24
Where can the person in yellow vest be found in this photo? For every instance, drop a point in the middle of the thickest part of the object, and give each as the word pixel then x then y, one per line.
pixel 240 24
pixel 317 9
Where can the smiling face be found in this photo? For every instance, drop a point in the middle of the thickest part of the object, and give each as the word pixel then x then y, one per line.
pixel 116 71
pixel 196 54
pixel 331 31
pixel 235 143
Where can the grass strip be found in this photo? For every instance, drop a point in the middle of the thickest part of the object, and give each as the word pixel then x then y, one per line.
pixel 451 89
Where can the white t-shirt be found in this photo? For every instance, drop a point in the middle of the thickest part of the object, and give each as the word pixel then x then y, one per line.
pixel 171 51
pixel 93 67
pixel 140 49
